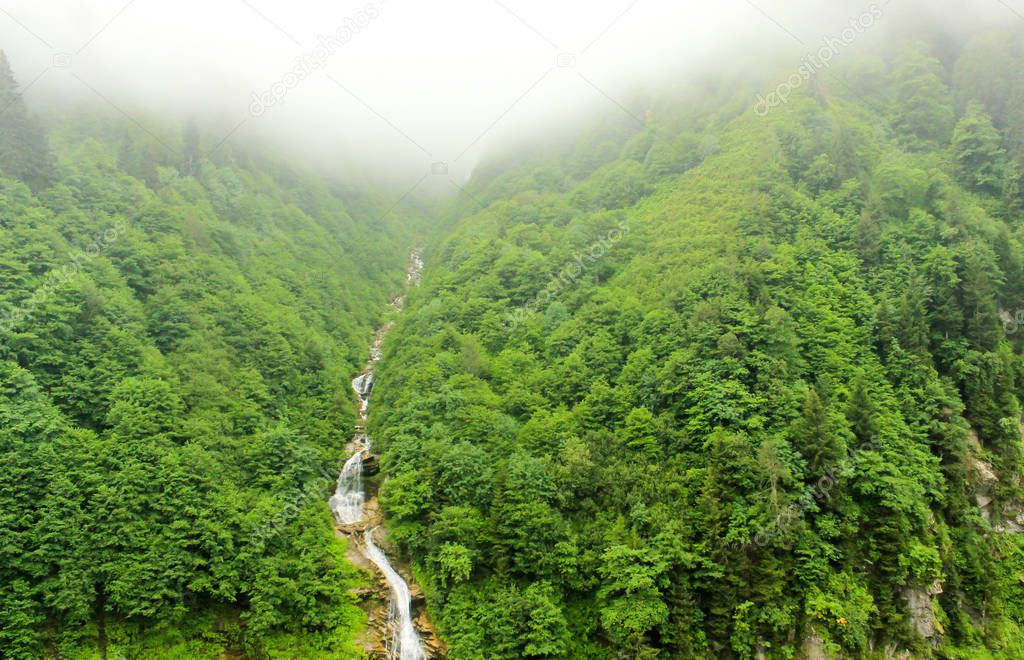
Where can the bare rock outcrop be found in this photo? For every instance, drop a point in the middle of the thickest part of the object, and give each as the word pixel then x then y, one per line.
pixel 371 465
pixel 813 647
pixel 922 614
pixel 985 481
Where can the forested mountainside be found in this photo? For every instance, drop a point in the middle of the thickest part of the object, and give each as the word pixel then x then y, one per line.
pixel 716 381
pixel 179 326
pixel 716 378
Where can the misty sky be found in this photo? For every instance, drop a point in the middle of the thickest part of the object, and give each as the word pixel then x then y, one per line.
pixel 403 83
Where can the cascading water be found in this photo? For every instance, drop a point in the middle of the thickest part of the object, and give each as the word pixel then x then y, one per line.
pixel 363 384
pixel 415 268
pixel 349 500
pixel 405 642
pixel 349 496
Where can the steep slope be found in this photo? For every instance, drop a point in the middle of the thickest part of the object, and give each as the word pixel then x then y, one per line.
pixel 729 384
pixel 179 326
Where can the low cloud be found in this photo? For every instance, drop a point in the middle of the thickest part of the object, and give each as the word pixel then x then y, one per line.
pixel 396 86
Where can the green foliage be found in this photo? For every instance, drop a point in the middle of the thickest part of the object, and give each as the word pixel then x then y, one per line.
pixel 632 603
pixel 24 151
pixel 924 107
pixel 977 151
pixel 757 416
pixel 175 351
pixel 702 387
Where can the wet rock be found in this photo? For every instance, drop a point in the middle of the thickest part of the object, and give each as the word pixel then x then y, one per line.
pixel 434 649
pixel 350 529
pixel 371 465
pixel 432 645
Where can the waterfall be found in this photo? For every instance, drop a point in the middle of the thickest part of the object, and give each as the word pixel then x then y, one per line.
pixel 363 384
pixel 349 499
pixel 415 268
pixel 405 642
pixel 347 502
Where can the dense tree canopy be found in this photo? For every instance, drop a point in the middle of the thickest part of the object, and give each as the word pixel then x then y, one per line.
pixel 24 152
pixel 176 339
pixel 759 416
pixel 703 384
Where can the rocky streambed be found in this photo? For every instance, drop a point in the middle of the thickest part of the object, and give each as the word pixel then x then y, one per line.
pixel 400 628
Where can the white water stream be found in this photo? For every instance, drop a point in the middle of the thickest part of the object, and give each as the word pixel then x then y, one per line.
pixel 405 642
pixel 347 502
pixel 347 505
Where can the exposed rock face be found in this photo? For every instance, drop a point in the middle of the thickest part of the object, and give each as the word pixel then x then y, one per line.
pixel 371 465
pixel 985 481
pixel 377 636
pixel 1008 516
pixel 432 645
pixel 812 649
pixel 981 476
pixel 416 593
pixel 376 599
pixel 1013 522
pixel 919 606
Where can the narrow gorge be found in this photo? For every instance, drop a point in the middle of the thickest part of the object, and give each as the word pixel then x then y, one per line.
pixel 395 634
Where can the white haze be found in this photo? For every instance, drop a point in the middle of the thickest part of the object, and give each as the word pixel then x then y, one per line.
pixel 439 81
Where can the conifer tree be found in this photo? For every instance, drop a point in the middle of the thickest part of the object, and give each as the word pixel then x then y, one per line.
pixel 24 152
pixel 924 108
pixel 814 437
pixel 979 158
pixel 862 411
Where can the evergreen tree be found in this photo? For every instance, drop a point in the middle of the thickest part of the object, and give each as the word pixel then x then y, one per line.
pixel 923 103
pixel 24 151
pixel 814 437
pixel 861 411
pixel 979 158
pixel 979 290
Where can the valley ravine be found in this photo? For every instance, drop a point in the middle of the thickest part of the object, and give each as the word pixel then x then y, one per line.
pixel 349 506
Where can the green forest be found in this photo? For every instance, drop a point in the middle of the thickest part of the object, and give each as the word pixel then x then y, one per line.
pixel 178 332
pixel 689 381
pixel 706 384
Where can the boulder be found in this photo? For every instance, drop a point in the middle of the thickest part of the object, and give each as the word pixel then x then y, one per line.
pixel 415 591
pixel 919 606
pixel 371 465
pixel 984 479
pixel 813 647
pixel 1013 521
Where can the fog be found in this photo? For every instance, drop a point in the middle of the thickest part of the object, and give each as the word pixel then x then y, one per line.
pixel 394 86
